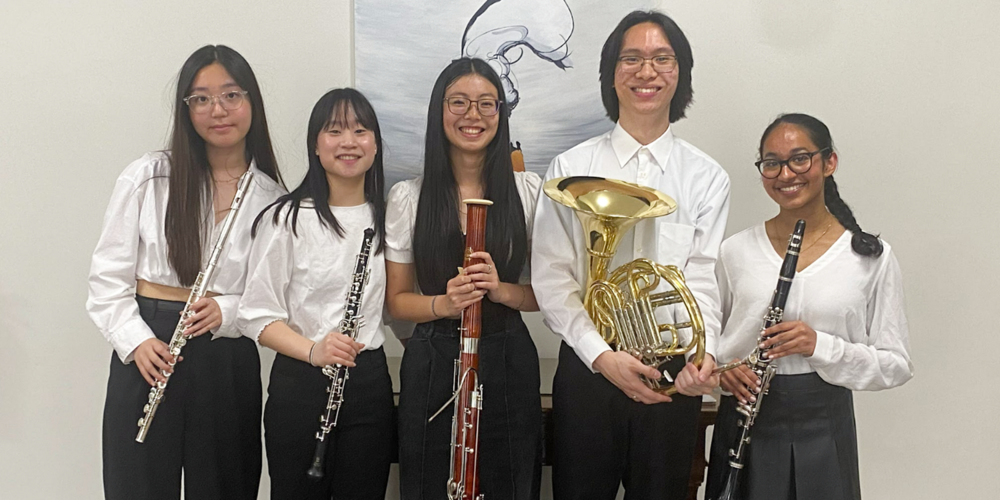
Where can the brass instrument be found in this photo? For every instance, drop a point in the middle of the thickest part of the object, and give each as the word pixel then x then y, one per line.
pixel 198 290
pixel 622 302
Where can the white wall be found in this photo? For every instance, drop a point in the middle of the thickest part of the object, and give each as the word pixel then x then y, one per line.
pixel 902 84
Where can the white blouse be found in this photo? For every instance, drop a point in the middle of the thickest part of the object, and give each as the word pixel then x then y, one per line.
pixel 854 303
pixel 304 280
pixel 133 246
pixel 401 217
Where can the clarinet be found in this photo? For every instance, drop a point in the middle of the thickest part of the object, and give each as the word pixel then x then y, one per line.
pixel 463 482
pixel 760 363
pixel 349 325
pixel 179 338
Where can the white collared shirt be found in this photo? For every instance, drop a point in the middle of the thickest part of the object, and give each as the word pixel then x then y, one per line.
pixel 133 246
pixel 854 303
pixel 303 279
pixel 689 238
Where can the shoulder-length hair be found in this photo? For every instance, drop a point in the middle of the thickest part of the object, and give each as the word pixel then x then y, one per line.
pixel 437 239
pixel 335 108
pixel 190 183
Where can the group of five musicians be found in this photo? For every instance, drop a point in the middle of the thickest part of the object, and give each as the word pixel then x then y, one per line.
pixel 287 265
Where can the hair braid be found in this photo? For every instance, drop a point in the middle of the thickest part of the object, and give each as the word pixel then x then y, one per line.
pixel 863 243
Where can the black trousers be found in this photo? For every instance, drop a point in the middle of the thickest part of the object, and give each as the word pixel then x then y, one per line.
pixel 804 444
pixel 603 439
pixel 359 448
pixel 510 420
pixel 208 423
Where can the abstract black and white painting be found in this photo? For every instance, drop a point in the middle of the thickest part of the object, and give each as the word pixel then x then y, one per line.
pixel 545 51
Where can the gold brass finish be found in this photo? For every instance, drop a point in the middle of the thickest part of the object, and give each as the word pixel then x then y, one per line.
pixel 622 302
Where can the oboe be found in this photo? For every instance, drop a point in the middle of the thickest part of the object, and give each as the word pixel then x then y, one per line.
pixel 761 365
pixel 463 483
pixel 349 325
pixel 198 290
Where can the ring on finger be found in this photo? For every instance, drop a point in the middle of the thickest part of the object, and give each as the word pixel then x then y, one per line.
pixel 489 268
pixel 635 397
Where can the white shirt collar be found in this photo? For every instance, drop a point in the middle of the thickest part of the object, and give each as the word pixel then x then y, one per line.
pixel 625 146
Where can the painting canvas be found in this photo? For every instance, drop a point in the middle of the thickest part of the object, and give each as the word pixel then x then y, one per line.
pixel 546 52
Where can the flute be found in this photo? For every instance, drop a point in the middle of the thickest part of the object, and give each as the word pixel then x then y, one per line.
pixel 463 483
pixel 198 290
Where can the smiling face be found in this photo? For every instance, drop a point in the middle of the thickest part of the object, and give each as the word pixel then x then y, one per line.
pixel 646 91
pixel 345 148
pixel 792 191
pixel 470 132
pixel 219 127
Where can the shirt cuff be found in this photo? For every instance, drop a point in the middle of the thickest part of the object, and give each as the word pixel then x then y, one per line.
pixel 398 256
pixel 134 332
pixel 253 329
pixel 824 351
pixel 228 305
pixel 589 347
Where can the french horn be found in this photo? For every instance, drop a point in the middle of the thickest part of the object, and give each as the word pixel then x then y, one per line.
pixel 621 302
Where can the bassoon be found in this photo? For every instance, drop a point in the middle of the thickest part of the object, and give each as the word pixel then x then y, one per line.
pixel 463 482
pixel 761 365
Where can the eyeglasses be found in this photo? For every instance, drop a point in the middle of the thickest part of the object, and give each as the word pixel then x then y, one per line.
pixel 661 63
pixel 486 106
pixel 230 101
pixel 799 163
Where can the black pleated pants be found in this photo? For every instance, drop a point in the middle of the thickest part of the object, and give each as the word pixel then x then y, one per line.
pixel 511 417
pixel 356 463
pixel 208 423
pixel 603 439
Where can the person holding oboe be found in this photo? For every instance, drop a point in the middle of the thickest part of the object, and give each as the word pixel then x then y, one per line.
pixel 467 154
pixel 844 327
pixel 315 296
pixel 165 218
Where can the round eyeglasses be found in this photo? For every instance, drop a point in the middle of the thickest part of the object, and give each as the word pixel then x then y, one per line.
pixel 230 101
pixel 799 163
pixel 486 106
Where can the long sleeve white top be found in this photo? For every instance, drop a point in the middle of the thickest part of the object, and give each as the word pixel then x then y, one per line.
pixel 854 303
pixel 401 217
pixel 304 280
pixel 689 238
pixel 133 246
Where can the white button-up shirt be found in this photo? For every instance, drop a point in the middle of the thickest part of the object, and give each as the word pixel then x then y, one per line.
pixel 133 246
pixel 689 238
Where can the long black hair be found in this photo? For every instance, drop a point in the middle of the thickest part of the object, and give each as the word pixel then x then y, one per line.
pixel 683 95
pixel 863 243
pixel 437 242
pixel 335 108
pixel 190 186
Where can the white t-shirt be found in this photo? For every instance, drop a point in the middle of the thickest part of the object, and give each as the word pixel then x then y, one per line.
pixel 133 246
pixel 855 304
pixel 304 280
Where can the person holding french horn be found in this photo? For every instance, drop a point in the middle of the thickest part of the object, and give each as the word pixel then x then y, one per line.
pixel 611 426
pixel 843 329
